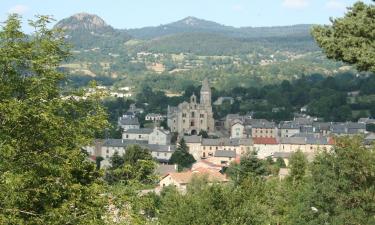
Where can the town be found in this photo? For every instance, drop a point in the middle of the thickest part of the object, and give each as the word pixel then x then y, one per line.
pixel 215 144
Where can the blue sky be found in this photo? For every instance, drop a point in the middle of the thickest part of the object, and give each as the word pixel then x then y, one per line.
pixel 140 13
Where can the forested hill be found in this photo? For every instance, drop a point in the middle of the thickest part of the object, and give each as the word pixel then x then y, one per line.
pixel 90 31
pixel 195 25
pixel 188 49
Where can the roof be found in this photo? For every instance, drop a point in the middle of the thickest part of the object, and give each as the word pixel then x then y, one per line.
pixel 305 140
pixel 165 169
pixel 122 142
pixel 193 139
pixel 138 131
pixel 162 148
pixel 185 177
pixel 289 125
pixel 221 142
pixel 224 153
pixel 265 140
pixel 267 125
pixel 128 121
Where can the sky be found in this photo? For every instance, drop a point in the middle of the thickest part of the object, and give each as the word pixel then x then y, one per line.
pixel 126 14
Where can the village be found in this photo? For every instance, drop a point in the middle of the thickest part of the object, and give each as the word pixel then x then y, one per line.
pixel 215 144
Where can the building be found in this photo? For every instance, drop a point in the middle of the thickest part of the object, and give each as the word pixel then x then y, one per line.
pixel 126 122
pixel 140 134
pixel 192 117
pixel 264 129
pixel 265 146
pixel 154 117
pixel 107 148
pixel 237 130
pixel 204 148
pixel 181 180
pixel 288 129
pixel 159 136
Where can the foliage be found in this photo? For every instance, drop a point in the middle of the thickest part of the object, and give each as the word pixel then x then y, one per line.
pixel 350 38
pixel 181 156
pixel 45 178
pixel 342 186
pixel 135 166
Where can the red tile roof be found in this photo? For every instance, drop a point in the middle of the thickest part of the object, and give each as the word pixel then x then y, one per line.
pixel 265 140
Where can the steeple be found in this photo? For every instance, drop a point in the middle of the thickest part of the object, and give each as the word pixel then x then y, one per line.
pixel 205 93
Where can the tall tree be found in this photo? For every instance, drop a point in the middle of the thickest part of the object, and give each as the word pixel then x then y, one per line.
pixel 45 178
pixel 350 39
pixel 181 156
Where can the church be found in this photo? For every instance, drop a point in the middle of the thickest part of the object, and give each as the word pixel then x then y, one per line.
pixel 192 117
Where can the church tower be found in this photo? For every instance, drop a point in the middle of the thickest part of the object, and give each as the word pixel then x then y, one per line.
pixel 205 93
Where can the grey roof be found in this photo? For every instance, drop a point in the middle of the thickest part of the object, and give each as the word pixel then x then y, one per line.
pixel 322 125
pixel 223 153
pixel 366 120
pixel 193 139
pixel 128 121
pixel 138 131
pixel 162 148
pixel 289 125
pixel 122 142
pixel 305 140
pixel 267 125
pixel 221 142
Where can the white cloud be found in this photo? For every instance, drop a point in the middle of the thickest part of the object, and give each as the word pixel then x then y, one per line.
pixel 335 5
pixel 238 8
pixel 19 9
pixel 295 4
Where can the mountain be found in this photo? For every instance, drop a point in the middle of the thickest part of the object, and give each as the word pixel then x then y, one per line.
pixel 196 25
pixel 186 25
pixel 87 31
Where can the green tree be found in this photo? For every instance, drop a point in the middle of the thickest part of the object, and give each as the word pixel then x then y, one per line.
pixel 298 167
pixel 351 38
pixel 342 186
pixel 181 156
pixel 135 166
pixel 45 178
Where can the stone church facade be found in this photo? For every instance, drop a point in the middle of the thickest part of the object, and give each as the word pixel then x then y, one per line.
pixel 192 117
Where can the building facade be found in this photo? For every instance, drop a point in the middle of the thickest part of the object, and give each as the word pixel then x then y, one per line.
pixel 192 117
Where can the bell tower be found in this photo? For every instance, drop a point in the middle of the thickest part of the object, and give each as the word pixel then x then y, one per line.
pixel 205 93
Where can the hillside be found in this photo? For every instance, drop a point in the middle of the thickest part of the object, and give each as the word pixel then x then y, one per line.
pixel 86 31
pixel 189 49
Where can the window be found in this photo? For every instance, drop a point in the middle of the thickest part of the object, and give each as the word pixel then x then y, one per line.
pixel 210 148
pixel 202 116
pixel 192 114
pixel 183 121
pixel 165 154
pixel 192 123
pixel 127 136
pixel 201 121
pixel 157 154
pixel 139 136
pixel 183 114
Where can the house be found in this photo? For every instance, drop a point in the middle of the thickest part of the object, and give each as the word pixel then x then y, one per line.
pixel 107 148
pixel 366 120
pixel 155 117
pixel 265 146
pixel 223 157
pixel 237 130
pixel 127 123
pixel 159 136
pixel 348 128
pixel 181 180
pixel 141 134
pixel 264 129
pixel 289 128
pixel 162 153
